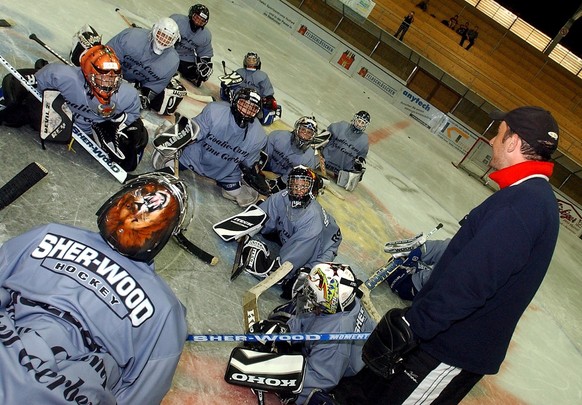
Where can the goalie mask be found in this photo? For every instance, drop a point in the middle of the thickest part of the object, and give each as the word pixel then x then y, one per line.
pixel 252 61
pixel 304 131
pixel 164 34
pixel 300 186
pixel 102 71
pixel 360 121
pixel 329 288
pixel 245 106
pixel 199 16
pixel 140 218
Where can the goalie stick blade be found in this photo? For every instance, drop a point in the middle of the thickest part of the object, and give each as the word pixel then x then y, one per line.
pixel 236 268
pixel 4 23
pixel 195 250
pixel 20 183
pixel 250 298
pixel 368 304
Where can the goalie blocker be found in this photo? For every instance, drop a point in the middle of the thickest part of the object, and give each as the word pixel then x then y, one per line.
pixel 265 371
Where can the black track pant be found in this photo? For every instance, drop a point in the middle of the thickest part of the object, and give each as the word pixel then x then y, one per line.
pixel 422 380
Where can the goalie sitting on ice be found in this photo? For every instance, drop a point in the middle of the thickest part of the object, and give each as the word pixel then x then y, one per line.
pixel 326 299
pixel 101 104
pixel 148 61
pixel 284 151
pixel 343 148
pixel 305 232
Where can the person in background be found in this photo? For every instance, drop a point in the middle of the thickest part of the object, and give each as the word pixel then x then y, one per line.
pixel 404 26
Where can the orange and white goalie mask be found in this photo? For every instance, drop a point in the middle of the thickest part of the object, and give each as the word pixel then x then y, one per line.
pixel 139 219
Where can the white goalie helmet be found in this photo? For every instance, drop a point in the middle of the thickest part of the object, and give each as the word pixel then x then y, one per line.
pixel 329 288
pixel 165 33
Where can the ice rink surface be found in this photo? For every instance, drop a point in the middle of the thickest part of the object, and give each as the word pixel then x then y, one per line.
pixel 410 186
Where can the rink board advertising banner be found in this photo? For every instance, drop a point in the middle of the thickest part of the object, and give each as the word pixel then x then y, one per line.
pixel 279 13
pixel 456 134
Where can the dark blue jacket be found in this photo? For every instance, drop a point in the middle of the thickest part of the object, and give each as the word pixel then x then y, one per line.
pixel 466 313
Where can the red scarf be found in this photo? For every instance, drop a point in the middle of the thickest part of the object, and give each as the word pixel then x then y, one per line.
pixel 512 174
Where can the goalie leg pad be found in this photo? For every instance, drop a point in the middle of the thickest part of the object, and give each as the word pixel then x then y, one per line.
pixel 256 259
pixel 348 180
pixel 166 102
pixel 176 137
pixel 391 340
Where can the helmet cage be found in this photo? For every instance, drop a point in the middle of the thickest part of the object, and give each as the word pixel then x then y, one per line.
pixel 102 72
pixel 198 15
pixel 165 33
pixel 360 121
pixel 245 106
pixel 252 60
pixel 139 219
pixel 304 132
pixel 300 186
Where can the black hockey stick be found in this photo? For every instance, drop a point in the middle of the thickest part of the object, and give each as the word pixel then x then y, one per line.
pixel 195 250
pixel 48 48
pixel 20 183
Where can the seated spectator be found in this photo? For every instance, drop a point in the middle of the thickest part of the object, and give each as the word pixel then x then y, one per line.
pixel 470 36
pixel 453 21
pixel 463 28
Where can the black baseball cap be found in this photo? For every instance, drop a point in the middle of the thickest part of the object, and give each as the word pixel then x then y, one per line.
pixel 535 125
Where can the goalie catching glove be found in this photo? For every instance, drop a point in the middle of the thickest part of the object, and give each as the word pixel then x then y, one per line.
pixel 87 37
pixel 269 327
pixel 388 343
pixel 124 144
pixel 256 259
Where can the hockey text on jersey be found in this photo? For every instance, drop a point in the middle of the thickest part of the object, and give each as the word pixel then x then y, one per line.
pixel 98 273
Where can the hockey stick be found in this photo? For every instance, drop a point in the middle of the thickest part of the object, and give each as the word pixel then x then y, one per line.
pixel 181 239
pixel 236 269
pixel 250 298
pixel 90 146
pixel 195 250
pixel 48 48
pixel 284 337
pixel 118 11
pixel 19 184
pixel 384 272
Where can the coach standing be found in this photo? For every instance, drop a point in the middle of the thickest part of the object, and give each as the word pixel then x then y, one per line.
pixel 460 324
